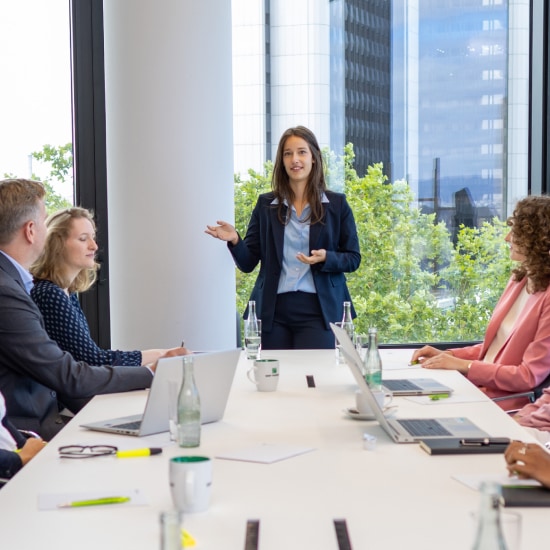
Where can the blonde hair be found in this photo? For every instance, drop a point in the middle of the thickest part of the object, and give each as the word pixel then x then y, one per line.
pixel 19 203
pixel 49 265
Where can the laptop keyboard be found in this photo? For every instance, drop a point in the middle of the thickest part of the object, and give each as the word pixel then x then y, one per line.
pixel 134 425
pixel 400 385
pixel 423 427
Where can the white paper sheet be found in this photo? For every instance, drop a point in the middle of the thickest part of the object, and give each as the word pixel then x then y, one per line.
pixel 265 454
pixel 473 481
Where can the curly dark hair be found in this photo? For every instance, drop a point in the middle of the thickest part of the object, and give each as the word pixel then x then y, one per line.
pixel 530 227
pixel 316 185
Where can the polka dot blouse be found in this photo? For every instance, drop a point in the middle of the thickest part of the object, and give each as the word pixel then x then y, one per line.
pixel 66 324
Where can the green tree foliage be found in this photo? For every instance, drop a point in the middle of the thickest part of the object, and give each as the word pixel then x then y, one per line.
pixel 413 284
pixel 246 195
pixel 61 161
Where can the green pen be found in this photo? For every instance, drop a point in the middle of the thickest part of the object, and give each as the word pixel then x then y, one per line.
pixel 437 396
pixel 94 502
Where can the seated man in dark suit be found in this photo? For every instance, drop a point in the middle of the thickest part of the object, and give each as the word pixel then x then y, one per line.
pixel 37 378
pixel 15 449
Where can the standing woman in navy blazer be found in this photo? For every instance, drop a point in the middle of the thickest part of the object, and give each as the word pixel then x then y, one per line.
pixel 305 238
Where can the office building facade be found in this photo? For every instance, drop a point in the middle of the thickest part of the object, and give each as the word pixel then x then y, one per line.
pixel 436 90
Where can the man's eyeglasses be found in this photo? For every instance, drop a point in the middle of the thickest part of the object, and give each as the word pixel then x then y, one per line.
pixel 86 451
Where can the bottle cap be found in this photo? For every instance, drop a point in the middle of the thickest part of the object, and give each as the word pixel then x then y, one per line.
pixel 369 442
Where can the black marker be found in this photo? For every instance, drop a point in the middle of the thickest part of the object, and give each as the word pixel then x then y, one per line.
pixel 484 441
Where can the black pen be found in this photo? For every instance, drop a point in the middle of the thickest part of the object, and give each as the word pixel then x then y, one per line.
pixel 482 441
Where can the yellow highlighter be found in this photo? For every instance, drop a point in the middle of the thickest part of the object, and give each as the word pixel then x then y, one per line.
pixel 187 541
pixel 130 453
pixel 94 502
pixel 438 396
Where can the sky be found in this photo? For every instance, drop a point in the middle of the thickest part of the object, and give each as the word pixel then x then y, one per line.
pixel 35 83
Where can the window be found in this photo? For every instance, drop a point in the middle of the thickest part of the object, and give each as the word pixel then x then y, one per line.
pixel 430 88
pixel 36 94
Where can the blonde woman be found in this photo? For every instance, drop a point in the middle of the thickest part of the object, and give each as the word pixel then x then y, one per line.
pixel 67 267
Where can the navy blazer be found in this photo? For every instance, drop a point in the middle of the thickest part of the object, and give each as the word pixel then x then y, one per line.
pixel 336 233
pixel 10 461
pixel 35 373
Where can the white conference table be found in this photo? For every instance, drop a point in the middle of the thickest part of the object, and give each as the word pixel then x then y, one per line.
pixel 393 497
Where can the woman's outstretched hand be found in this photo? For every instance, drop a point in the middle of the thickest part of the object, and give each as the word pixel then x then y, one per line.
pixel 316 257
pixel 223 231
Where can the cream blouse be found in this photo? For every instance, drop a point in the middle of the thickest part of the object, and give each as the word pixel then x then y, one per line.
pixel 507 326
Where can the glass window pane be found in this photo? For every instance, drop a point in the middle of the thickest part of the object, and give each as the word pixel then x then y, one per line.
pixel 36 94
pixel 429 100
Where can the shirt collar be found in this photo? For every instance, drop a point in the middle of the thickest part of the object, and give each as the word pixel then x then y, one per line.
pixel 324 199
pixel 26 277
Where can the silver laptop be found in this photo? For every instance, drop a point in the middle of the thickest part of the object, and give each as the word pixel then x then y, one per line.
pixel 214 374
pixel 404 430
pixel 418 386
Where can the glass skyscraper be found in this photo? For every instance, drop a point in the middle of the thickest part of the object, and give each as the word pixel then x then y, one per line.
pixel 436 90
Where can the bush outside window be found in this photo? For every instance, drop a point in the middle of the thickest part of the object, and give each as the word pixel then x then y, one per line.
pixel 419 280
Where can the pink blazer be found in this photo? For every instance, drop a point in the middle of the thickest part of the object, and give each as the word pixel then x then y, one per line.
pixel 524 360
pixel 537 414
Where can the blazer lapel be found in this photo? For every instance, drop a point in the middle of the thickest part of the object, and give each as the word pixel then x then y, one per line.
pixel 502 308
pixel 317 229
pixel 278 230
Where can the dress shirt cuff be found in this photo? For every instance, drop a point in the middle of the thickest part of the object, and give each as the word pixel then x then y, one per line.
pixel 230 245
pixel 148 367
pixel 10 463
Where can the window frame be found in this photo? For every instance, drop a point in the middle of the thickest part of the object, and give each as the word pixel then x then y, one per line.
pixel 90 150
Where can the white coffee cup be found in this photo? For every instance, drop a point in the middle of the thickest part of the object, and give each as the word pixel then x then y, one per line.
pixel 264 374
pixel 383 398
pixel 191 482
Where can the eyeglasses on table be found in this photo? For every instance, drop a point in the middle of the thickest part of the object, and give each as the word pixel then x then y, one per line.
pixel 86 451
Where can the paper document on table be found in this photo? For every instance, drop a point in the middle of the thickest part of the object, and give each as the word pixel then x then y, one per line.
pixel 397 359
pixel 265 454
pixel 473 481
pixel 64 501
pixel 444 400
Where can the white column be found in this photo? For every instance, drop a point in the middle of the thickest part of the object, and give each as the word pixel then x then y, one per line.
pixel 170 172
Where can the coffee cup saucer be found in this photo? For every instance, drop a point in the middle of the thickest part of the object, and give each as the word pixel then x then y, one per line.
pixel 352 412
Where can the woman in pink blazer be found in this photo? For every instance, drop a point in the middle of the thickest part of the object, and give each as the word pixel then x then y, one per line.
pixel 514 357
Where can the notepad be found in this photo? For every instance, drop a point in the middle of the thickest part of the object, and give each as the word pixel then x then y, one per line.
pixel 265 454
pixel 532 497
pixel 453 446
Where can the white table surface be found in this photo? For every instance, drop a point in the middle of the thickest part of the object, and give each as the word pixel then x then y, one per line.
pixel 393 497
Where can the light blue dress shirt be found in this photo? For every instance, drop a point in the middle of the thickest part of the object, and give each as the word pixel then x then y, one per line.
pixel 295 275
pixel 25 275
